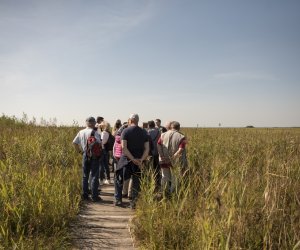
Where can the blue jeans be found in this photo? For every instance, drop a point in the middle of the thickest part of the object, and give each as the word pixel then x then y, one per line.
pixel 104 167
pixel 130 170
pixel 90 166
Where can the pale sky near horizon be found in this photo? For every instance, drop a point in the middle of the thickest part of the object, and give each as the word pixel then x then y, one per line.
pixel 205 62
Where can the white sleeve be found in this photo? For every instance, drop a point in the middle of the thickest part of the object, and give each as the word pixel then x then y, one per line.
pixel 104 137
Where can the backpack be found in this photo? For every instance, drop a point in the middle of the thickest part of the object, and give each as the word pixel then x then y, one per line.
pixel 93 147
pixel 110 142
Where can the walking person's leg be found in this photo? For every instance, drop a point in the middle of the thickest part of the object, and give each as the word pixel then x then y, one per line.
pixel 85 177
pixel 101 169
pixel 166 180
pixel 136 184
pixel 130 189
pixel 119 186
pixel 125 188
pixel 106 167
pixel 95 179
pixel 174 180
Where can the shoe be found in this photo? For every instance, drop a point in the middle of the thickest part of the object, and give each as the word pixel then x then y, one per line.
pixel 97 199
pixel 132 205
pixel 118 203
pixel 124 195
pixel 130 198
pixel 106 182
pixel 84 197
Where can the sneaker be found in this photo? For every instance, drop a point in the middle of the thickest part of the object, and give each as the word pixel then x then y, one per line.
pixel 84 197
pixel 97 199
pixel 132 205
pixel 118 203
pixel 106 182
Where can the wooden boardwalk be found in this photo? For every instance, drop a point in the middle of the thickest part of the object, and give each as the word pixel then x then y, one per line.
pixel 101 225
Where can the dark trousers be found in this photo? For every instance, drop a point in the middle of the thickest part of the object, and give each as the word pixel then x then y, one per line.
pixel 90 166
pixel 130 170
pixel 104 167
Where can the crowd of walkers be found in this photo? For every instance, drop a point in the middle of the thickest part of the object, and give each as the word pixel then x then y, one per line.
pixel 128 149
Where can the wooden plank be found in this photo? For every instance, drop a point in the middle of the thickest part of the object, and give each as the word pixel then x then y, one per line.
pixel 101 225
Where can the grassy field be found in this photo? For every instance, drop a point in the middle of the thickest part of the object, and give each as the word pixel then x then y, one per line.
pixel 242 190
pixel 39 185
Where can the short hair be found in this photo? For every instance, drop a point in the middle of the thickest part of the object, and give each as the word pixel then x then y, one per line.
pixel 134 117
pixel 90 119
pixel 99 119
pixel 168 125
pixel 158 120
pixel 145 124
pixel 151 124
pixel 175 125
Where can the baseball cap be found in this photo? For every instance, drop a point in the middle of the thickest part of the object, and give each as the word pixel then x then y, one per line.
pixel 90 119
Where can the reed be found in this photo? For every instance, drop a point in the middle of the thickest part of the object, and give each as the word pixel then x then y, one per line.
pixel 39 185
pixel 241 192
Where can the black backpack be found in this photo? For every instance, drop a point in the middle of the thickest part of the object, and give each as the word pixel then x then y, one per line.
pixel 110 142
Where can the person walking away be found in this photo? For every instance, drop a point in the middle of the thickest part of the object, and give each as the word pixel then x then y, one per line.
pixel 171 147
pixel 135 149
pixel 104 164
pixel 89 164
pixel 154 134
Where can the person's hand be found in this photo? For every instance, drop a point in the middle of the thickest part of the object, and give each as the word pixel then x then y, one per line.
pixel 165 159
pixel 137 162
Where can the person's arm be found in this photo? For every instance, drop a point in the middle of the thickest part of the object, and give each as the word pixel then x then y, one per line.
pixel 146 151
pixel 127 153
pixel 180 149
pixel 104 137
pixel 76 143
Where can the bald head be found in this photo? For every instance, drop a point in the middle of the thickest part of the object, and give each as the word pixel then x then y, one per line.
pixel 175 125
pixel 134 119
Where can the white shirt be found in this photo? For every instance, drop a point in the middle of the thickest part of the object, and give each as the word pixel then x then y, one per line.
pixel 83 135
pixel 104 137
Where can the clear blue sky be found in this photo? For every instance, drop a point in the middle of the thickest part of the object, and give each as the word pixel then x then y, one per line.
pixel 198 62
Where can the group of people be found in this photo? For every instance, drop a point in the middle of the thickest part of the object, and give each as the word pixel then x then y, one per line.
pixel 133 146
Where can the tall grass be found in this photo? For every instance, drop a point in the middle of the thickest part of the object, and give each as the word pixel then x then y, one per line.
pixel 39 185
pixel 242 191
